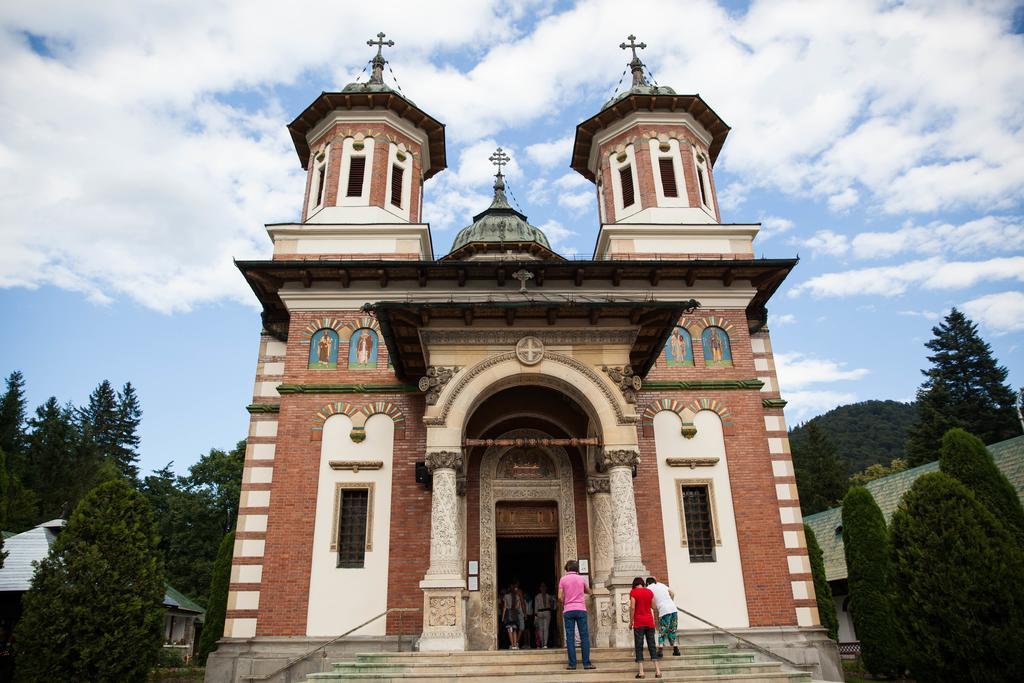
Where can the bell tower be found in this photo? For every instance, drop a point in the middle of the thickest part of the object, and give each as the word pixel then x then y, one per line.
pixel 650 153
pixel 367 151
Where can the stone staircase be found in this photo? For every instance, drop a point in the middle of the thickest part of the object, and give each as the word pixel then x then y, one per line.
pixel 717 663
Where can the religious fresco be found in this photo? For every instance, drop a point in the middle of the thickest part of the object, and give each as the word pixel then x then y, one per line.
pixel 362 350
pixel 717 353
pixel 323 350
pixel 679 348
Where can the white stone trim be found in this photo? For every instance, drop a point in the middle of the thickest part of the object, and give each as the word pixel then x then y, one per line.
pixel 775 446
pixel 348 153
pixel 799 564
pixel 769 384
pixel 240 628
pixel 257 475
pixel 255 499
pixel 275 348
pixel 782 468
pixel 673 153
pixel 761 365
pixel 791 539
pixel 406 166
pixel 615 165
pixel 263 428
pixel 262 451
pixel 243 599
pixel 246 573
pixel 315 182
pixel 365 118
pixel 266 389
pixel 700 167
pixel 790 515
pixel 275 369
pixel 805 617
pixel 774 423
pixel 249 547
pixel 257 523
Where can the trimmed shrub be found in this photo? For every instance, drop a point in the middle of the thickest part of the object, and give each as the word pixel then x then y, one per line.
pixel 213 628
pixel 964 457
pixel 866 543
pixel 959 579
pixel 822 591
pixel 95 609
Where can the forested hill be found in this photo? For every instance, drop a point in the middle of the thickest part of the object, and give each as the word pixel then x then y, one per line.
pixel 865 433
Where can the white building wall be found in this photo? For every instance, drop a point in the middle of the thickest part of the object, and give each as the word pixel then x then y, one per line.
pixel 714 590
pixel 340 598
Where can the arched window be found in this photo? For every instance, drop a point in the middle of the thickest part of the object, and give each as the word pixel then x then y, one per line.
pixel 679 348
pixel 362 350
pixel 717 353
pixel 323 350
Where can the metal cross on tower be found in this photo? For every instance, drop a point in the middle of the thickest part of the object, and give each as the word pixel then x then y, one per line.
pixel 378 62
pixel 499 159
pixel 632 45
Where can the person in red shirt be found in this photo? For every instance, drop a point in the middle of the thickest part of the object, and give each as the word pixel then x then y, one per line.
pixel 641 620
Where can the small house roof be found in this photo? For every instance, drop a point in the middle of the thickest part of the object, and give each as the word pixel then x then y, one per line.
pixel 23 550
pixel 177 600
pixel 888 491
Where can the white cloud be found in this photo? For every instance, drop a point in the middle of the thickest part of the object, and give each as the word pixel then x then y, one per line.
pixel 1002 312
pixel 803 405
pixel 933 273
pixel 797 370
pixel 772 226
pixel 558 234
pixel 781 319
pixel 926 314
pixel 844 200
pixel 552 153
pixel 986 234
pixel 827 242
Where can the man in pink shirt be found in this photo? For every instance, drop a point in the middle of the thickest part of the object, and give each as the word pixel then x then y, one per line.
pixel 572 592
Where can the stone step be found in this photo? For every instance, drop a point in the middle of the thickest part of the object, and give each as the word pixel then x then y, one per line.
pixel 551 654
pixel 498 664
pixel 540 670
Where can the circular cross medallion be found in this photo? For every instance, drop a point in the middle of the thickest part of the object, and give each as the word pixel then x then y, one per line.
pixel 530 350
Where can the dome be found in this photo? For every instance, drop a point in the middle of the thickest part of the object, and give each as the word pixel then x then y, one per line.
pixel 500 223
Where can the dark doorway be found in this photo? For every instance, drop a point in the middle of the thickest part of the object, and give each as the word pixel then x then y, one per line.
pixel 531 561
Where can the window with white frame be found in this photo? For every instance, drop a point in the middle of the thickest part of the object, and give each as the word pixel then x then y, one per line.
pixel 699 524
pixel 667 169
pixel 399 189
pixel 624 182
pixel 318 183
pixel 356 170
pixel 353 528
pixel 703 180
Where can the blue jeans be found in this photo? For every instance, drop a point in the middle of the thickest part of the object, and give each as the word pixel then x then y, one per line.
pixel 572 619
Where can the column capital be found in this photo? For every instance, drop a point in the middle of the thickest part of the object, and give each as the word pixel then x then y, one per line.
pixel 598 485
pixel 437 460
pixel 620 458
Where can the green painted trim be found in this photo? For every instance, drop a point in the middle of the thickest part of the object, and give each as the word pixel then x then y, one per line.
pixel 705 384
pixel 254 408
pixel 773 402
pixel 347 389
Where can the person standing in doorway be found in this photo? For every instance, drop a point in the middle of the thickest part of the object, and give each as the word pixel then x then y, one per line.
pixel 641 620
pixel 543 607
pixel 510 616
pixel 668 615
pixel 526 635
pixel 573 590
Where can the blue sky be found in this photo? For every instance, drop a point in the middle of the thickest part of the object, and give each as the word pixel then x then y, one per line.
pixel 144 147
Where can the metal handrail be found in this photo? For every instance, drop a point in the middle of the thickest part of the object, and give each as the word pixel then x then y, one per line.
pixel 743 640
pixel 332 641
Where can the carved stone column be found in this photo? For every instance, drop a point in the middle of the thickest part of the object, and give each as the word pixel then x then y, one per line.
pixel 444 614
pixel 601 556
pixel 627 562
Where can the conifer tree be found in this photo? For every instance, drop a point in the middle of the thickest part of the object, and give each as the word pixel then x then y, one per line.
pixel 129 417
pixel 12 415
pixel 820 475
pixel 51 471
pixel 965 387
pixel 213 628
pixel 94 612
pixel 959 585
pixel 822 591
pixel 100 422
pixel 965 457
pixel 866 544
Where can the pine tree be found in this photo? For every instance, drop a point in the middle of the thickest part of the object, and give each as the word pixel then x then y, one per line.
pixel 866 544
pixel 101 424
pixel 129 417
pixel 213 628
pixel 820 475
pixel 964 457
pixel 822 591
pixel 959 585
pixel 12 415
pixel 51 471
pixel 965 387
pixel 94 611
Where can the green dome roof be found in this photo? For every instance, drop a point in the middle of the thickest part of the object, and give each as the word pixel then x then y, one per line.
pixel 500 223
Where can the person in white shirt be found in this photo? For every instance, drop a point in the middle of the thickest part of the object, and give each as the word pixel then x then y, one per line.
pixel 668 615
pixel 543 606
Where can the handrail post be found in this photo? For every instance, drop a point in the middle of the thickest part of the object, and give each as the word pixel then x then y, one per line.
pixel 762 650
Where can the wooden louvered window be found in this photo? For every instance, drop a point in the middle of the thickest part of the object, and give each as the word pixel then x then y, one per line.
pixel 321 172
pixel 626 180
pixel 397 172
pixel 356 171
pixel 703 191
pixel 668 177
pixel 354 507
pixel 700 534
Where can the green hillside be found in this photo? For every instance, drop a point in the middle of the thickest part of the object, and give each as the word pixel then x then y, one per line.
pixel 865 433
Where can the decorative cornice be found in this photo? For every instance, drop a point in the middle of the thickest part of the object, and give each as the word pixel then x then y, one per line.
pixel 704 384
pixel 356 465
pixel 773 402
pixel 598 485
pixel 510 337
pixel 436 460
pixel 691 462
pixel 624 378
pixel 435 380
pixel 347 389
pixel 620 458
pixel 256 408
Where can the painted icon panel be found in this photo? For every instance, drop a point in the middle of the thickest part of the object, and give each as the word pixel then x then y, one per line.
pixel 679 349
pixel 362 350
pixel 323 350
pixel 717 353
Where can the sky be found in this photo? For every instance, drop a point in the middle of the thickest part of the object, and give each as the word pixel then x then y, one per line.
pixel 143 147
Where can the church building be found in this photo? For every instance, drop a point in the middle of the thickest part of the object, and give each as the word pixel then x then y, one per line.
pixel 426 428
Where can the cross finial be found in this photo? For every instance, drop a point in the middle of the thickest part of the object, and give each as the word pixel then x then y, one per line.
pixel 378 62
pixel 499 159
pixel 380 43
pixel 632 45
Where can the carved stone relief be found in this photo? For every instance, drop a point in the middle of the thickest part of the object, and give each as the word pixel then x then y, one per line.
pixel 526 463
pixel 434 381
pixel 627 382
pixel 442 611
pixel 512 336
pixel 444 524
